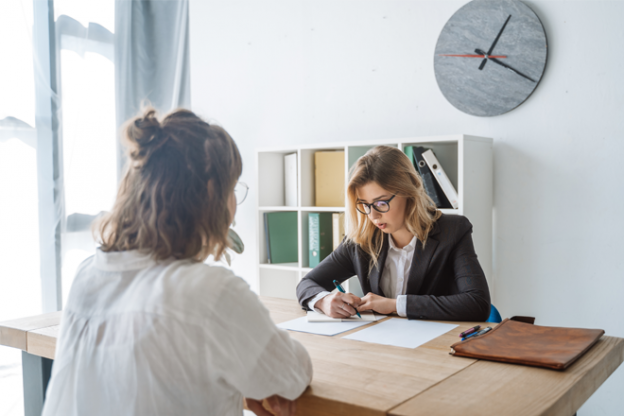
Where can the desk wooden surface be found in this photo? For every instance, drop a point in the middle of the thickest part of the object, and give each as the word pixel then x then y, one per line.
pixel 358 378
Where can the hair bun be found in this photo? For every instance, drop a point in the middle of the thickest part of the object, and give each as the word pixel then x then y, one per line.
pixel 144 134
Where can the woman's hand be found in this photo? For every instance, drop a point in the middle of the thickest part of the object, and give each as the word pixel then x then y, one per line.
pixel 277 405
pixel 378 304
pixel 339 305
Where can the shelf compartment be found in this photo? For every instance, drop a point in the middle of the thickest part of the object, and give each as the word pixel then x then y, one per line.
pixel 271 178
pixel 278 283
pixel 447 154
pixel 306 174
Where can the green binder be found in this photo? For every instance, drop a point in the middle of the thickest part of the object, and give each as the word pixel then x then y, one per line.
pixel 409 151
pixel 281 229
pixel 320 234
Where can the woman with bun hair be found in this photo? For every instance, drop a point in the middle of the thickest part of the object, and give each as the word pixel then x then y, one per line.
pixel 148 328
pixel 410 258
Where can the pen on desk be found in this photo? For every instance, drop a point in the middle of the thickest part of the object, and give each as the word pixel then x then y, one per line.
pixel 470 331
pixel 343 291
pixel 476 334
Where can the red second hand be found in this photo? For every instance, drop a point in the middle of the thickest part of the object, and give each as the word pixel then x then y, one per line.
pixel 476 56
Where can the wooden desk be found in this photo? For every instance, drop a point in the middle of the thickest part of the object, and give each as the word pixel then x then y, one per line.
pixel 357 378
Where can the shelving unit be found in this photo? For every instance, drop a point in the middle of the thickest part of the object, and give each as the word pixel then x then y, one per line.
pixel 467 160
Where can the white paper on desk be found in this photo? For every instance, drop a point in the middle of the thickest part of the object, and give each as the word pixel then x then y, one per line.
pixel 402 332
pixel 320 328
pixel 366 317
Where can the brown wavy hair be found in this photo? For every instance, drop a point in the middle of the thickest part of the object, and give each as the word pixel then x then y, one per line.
pixel 173 198
pixel 391 169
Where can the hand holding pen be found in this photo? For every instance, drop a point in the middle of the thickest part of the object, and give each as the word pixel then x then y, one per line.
pixel 339 304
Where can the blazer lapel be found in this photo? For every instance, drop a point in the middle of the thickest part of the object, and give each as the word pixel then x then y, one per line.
pixel 375 275
pixel 420 264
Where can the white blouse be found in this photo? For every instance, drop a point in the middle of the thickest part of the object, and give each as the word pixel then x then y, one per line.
pixel 394 278
pixel 175 337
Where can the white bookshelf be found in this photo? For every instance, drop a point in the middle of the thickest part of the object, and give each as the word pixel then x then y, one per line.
pixel 467 160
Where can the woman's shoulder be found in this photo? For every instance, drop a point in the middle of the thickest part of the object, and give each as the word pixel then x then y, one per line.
pixel 213 278
pixel 451 225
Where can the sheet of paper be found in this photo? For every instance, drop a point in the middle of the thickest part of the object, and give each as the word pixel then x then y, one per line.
pixel 402 332
pixel 366 317
pixel 320 328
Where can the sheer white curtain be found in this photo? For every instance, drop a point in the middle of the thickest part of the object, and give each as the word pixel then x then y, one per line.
pixel 151 56
pixel 72 72
pixel 20 288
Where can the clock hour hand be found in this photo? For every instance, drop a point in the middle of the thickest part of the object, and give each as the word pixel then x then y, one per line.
pixel 479 51
pixel 494 43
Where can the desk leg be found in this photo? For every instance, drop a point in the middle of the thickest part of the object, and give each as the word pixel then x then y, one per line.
pixel 37 371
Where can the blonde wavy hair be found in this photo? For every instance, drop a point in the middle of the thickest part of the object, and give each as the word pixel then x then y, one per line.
pixel 391 169
pixel 173 198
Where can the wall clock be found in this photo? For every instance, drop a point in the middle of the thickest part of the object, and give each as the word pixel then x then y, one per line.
pixel 490 56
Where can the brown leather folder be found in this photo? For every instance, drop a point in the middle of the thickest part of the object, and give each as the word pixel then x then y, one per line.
pixel 523 343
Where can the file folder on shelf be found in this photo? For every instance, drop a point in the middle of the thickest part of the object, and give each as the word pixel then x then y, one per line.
pixel 440 175
pixel 281 233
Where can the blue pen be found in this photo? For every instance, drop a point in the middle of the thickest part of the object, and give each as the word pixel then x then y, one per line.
pixel 483 331
pixel 343 291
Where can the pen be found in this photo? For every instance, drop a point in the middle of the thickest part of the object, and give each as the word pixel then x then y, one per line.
pixel 343 291
pixel 476 334
pixel 470 331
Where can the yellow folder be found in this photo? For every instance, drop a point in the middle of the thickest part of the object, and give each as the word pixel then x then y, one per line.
pixel 329 175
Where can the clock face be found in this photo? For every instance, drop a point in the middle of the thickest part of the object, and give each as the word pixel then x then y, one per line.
pixel 490 56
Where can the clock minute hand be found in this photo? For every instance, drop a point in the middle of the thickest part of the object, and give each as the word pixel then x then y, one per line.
pixel 494 43
pixel 496 61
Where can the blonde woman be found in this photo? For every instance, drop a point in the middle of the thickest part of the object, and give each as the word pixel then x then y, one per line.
pixel 410 259
pixel 149 329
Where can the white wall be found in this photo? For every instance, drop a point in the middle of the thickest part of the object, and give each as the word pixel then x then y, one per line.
pixel 275 73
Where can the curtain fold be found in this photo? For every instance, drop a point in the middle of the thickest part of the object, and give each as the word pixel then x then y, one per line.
pixel 151 58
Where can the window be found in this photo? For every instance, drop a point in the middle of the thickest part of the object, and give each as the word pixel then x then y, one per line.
pixel 87 92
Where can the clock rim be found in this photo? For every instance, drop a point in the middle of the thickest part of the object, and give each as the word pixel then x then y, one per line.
pixel 541 76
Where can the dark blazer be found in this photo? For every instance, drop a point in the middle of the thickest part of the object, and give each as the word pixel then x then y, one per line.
pixel 445 279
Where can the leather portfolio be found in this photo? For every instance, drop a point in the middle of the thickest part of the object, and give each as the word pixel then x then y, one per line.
pixel 524 343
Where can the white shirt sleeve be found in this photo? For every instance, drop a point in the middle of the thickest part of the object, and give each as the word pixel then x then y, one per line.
pixel 401 305
pixel 256 357
pixel 315 299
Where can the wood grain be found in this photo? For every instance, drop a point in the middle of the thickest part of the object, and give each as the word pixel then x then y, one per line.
pixel 364 379
pixel 359 378
pixel 13 333
pixel 42 342
pixel 491 388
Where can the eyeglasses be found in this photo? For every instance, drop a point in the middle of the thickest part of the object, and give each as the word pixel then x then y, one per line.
pixel 240 192
pixel 379 206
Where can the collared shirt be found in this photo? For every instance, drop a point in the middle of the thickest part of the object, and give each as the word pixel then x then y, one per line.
pixel 394 277
pixel 173 337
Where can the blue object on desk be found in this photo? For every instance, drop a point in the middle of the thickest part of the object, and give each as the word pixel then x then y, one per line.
pixel 494 315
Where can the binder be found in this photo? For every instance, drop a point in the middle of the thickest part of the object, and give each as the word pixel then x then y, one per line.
pixel 432 188
pixel 320 236
pixel 290 180
pixel 338 229
pixel 266 237
pixel 329 179
pixel 440 175
pixel 281 232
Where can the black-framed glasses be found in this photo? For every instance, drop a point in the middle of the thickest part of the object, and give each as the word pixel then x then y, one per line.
pixel 240 192
pixel 379 206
